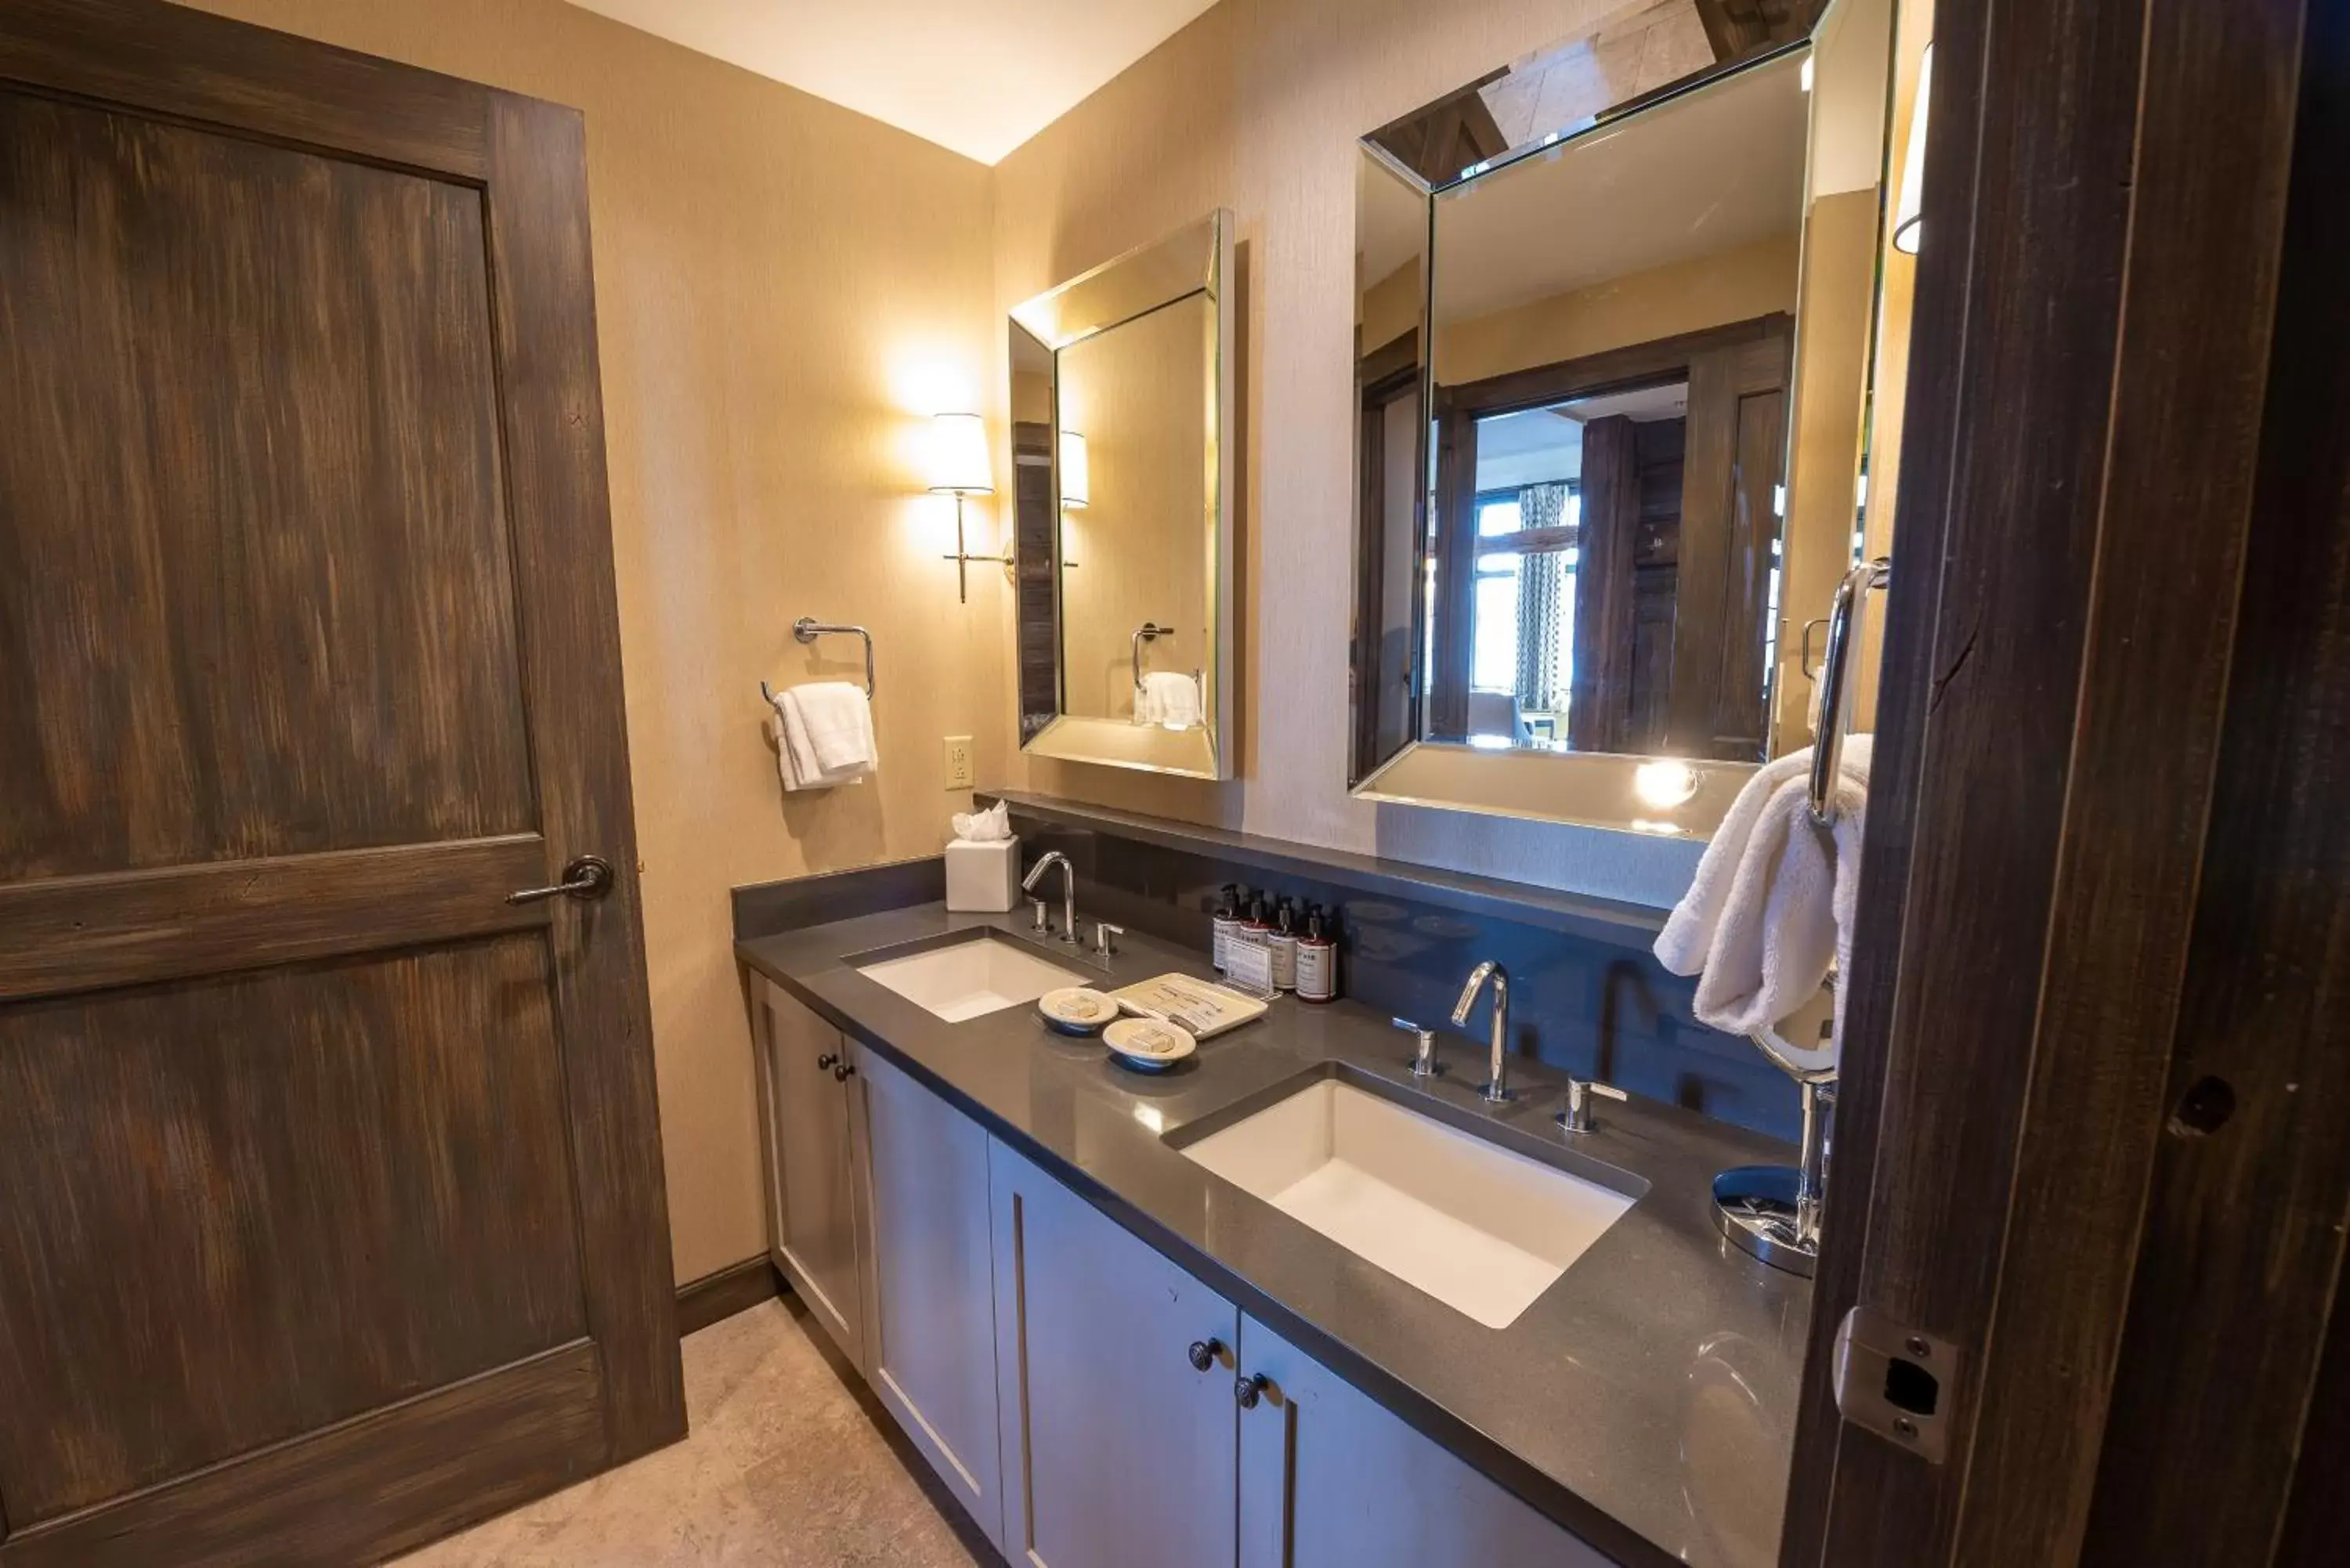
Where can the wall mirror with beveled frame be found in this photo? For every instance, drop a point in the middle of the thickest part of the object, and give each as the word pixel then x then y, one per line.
pixel 1621 308
pixel 1122 446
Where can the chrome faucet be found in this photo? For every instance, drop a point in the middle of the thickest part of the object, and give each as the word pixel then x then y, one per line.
pixel 1044 863
pixel 1497 1083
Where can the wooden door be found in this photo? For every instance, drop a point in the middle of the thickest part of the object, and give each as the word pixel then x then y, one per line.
pixel 815 1206
pixel 331 1211
pixel 1118 1452
pixel 931 1301
pixel 2093 1132
pixel 1332 1479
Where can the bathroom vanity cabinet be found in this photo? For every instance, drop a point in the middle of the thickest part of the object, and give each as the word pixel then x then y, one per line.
pixel 1089 1401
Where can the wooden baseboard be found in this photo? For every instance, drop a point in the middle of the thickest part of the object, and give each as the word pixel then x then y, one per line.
pixel 719 1296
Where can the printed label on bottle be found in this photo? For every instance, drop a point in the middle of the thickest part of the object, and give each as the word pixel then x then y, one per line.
pixel 1284 962
pixel 1317 971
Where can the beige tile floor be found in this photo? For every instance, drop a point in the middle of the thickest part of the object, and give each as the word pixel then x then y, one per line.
pixel 783 1466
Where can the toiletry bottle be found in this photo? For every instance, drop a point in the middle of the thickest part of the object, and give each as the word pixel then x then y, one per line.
pixel 1257 930
pixel 1285 947
pixel 1227 921
pixel 1317 960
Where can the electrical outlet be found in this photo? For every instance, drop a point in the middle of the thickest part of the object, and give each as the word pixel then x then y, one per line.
pixel 958 762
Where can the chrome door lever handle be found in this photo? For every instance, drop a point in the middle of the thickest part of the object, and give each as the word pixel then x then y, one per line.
pixel 586 879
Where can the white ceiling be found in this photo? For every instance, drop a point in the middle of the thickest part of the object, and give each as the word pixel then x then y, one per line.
pixel 1695 176
pixel 978 76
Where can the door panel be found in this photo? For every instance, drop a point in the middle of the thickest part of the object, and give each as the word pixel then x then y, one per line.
pixel 1331 1479
pixel 254 466
pixel 1125 1456
pixel 931 1308
pixel 340 1175
pixel 300 1158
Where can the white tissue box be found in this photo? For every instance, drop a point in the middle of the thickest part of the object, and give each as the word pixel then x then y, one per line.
pixel 983 876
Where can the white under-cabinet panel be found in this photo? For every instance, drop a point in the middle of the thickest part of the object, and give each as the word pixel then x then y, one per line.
pixel 930 1321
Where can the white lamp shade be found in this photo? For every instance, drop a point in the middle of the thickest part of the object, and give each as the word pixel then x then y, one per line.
pixel 958 455
pixel 1909 213
pixel 1077 476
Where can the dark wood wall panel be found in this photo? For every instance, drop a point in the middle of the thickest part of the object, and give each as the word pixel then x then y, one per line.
pixel 180 61
pixel 571 622
pixel 276 1200
pixel 80 933
pixel 281 621
pixel 420 1468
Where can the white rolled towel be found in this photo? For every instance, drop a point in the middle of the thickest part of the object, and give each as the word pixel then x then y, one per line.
pixel 1771 907
pixel 824 736
pixel 1170 698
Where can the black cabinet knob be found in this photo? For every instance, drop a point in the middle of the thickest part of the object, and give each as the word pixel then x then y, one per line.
pixel 1249 1389
pixel 826 1062
pixel 1204 1352
pixel 845 1071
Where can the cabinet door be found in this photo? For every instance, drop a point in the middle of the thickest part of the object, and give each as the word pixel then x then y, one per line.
pixel 1116 1453
pixel 930 1317
pixel 1332 1479
pixel 810 1160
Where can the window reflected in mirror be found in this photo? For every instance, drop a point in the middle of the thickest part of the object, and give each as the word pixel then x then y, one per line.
pixel 1609 425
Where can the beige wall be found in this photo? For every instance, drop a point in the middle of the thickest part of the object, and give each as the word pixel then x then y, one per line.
pixel 1638 308
pixel 1256 106
pixel 784 292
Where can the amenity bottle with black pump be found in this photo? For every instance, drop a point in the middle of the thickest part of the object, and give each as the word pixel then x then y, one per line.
pixel 1317 959
pixel 1285 945
pixel 1227 920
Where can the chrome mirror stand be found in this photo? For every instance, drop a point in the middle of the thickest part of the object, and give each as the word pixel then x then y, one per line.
pixel 1772 1213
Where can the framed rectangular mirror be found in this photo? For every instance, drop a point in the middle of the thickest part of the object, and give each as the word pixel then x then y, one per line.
pixel 1617 309
pixel 1121 417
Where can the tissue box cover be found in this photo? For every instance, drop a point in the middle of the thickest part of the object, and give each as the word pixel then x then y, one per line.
pixel 983 876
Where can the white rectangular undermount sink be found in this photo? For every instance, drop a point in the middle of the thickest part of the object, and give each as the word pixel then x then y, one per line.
pixel 970 978
pixel 1479 1227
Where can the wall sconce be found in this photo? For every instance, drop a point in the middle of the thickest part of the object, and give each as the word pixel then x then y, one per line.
pixel 1076 473
pixel 1908 212
pixel 959 467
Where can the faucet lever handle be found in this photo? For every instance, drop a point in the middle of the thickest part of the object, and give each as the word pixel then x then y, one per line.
pixel 1424 1064
pixel 1577 1118
pixel 1106 938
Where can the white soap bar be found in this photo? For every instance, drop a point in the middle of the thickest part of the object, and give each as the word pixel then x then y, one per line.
pixel 983 876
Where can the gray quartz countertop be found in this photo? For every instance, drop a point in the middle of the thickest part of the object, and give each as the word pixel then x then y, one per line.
pixel 1646 1400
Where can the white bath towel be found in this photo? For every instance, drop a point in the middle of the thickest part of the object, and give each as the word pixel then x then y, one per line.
pixel 1772 903
pixel 1170 698
pixel 824 736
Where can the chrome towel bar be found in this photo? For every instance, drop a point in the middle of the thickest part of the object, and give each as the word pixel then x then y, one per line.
pixel 807 629
pixel 1845 622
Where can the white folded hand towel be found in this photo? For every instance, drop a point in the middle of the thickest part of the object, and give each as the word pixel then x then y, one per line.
pixel 824 736
pixel 1171 698
pixel 1771 907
